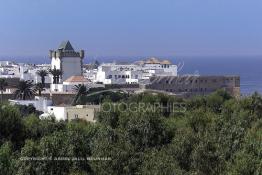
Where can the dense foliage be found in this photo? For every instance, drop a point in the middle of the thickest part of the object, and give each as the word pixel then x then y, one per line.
pixel 139 134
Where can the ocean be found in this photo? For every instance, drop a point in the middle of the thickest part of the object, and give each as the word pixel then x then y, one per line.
pixel 249 68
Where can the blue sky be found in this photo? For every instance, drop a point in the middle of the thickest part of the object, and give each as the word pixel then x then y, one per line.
pixel 132 27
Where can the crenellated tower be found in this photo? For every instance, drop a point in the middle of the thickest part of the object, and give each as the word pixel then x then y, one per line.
pixel 66 59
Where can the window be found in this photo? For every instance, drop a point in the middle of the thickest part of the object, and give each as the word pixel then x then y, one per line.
pixel 110 76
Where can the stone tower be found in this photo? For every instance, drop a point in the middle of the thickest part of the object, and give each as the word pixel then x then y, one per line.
pixel 66 59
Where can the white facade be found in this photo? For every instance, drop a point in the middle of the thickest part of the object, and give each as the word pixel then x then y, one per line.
pixel 118 74
pixel 90 74
pixel 28 72
pixel 40 103
pixel 57 111
pixel 6 63
pixel 9 70
pixel 84 112
pixel 132 73
pixel 69 87
pixel 70 66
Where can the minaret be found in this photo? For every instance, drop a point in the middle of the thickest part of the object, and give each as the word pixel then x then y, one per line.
pixel 66 59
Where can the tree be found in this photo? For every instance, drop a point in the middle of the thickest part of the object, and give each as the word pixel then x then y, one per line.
pixel 55 146
pixel 160 162
pixel 25 89
pixel 80 139
pixel 82 91
pixel 42 73
pixel 3 85
pixel 199 120
pixel 12 128
pixel 256 101
pixel 123 159
pixel 206 159
pixel 6 161
pixel 56 73
pixel 182 147
pixel 39 87
pixel 33 167
pixel 248 159
pixel 33 127
pixel 143 129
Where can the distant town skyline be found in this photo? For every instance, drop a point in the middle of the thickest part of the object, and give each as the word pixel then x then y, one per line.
pixel 132 28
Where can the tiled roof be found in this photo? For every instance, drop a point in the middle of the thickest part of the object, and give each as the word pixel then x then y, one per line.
pixel 155 61
pixel 152 61
pixel 76 79
pixel 166 62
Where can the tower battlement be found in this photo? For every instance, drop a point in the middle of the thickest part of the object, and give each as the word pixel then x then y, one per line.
pixel 66 50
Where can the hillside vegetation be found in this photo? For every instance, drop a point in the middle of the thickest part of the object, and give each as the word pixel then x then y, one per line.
pixel 139 134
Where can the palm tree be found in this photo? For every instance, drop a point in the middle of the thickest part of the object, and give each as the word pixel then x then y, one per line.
pixel 39 87
pixel 56 75
pixel 25 89
pixel 3 85
pixel 42 73
pixel 82 91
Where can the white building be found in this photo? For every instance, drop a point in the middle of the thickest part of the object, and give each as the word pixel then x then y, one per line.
pixel 90 74
pixel 6 63
pixel 40 103
pixel 29 72
pixel 139 72
pixel 69 84
pixel 84 112
pixel 9 70
pixel 66 59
